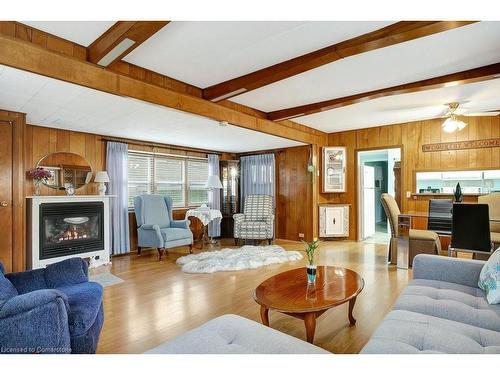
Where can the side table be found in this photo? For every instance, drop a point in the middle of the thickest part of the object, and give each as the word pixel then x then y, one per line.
pixel 206 216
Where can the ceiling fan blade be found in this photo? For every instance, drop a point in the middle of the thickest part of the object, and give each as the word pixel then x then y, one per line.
pixel 486 113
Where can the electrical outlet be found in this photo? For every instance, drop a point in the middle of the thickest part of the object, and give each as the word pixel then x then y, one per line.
pixel 301 235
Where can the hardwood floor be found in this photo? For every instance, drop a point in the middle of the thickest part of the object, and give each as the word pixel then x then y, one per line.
pixel 158 302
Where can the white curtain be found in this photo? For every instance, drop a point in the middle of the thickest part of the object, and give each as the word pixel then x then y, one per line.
pixel 214 196
pixel 117 166
pixel 256 176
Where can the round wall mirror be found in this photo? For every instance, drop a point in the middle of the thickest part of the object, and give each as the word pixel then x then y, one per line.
pixel 66 169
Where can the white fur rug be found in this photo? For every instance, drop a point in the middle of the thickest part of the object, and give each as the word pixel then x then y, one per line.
pixel 243 258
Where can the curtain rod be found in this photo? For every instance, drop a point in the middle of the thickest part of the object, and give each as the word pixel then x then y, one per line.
pixel 154 144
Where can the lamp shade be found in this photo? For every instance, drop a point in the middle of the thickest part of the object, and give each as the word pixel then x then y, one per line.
pixel 101 176
pixel 213 182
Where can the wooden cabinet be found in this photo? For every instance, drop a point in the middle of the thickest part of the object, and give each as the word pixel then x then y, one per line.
pixel 334 220
pixel 334 169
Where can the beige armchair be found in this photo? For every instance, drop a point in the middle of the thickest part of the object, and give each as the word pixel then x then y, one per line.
pixel 493 202
pixel 421 241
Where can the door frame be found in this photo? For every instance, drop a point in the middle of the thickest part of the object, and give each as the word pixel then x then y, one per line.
pixel 357 179
pixel 18 122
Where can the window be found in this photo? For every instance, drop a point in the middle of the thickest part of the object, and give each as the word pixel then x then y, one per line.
pixel 197 171
pixel 182 179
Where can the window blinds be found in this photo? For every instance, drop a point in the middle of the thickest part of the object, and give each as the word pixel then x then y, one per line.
pixel 183 179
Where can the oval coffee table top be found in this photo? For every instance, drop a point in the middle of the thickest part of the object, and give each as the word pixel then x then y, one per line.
pixel 289 291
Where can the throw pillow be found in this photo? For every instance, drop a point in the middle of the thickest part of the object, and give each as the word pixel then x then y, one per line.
pixel 489 279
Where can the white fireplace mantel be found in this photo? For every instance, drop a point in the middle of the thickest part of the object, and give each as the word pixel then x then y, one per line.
pixel 97 258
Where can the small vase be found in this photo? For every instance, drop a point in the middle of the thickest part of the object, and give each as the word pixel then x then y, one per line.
pixel 458 193
pixel 311 273
pixel 36 187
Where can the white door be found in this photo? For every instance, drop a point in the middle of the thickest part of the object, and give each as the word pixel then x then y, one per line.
pixel 368 201
pixel 334 221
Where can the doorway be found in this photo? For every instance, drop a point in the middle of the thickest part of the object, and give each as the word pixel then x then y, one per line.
pixel 377 174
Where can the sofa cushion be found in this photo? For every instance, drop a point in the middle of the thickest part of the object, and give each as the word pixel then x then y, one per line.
pixel 489 279
pixel 450 301
pixel 410 332
pixel 67 272
pixel 232 334
pixel 174 234
pixel 7 290
pixel 254 226
pixel 84 300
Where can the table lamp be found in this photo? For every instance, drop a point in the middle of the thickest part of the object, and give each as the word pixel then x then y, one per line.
pixel 101 177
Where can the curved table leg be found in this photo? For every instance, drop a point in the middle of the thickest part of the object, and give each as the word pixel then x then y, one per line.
pixel 310 321
pixel 264 315
pixel 351 307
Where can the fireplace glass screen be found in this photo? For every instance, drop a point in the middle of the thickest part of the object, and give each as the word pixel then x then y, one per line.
pixel 70 228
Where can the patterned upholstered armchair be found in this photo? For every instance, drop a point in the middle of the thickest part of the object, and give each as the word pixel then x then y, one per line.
pixel 257 220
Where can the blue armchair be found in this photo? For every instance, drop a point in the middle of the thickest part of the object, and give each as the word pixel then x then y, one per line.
pixel 155 226
pixel 50 310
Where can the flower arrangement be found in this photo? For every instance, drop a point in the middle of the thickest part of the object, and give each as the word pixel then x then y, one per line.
pixel 311 249
pixel 39 174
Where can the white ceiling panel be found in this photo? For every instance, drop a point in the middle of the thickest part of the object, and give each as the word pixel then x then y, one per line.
pixel 435 55
pixel 81 32
pixel 475 97
pixel 206 53
pixel 52 103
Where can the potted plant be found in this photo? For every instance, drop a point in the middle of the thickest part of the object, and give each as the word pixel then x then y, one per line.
pixel 310 252
pixel 38 175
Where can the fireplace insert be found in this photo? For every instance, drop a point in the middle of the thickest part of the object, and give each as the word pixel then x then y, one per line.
pixel 71 228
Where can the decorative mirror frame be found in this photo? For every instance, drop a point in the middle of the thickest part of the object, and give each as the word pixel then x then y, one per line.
pixel 59 171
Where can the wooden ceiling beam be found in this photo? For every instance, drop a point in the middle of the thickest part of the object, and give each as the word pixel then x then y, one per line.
pixel 39 60
pixel 483 73
pixel 120 39
pixel 398 32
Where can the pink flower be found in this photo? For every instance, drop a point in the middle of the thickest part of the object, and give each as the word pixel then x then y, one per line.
pixel 39 174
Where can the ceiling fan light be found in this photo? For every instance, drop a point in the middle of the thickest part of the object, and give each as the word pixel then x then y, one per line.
pixel 449 125
pixel 461 125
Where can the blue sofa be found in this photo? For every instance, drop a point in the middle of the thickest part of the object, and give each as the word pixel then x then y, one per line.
pixel 156 227
pixel 50 310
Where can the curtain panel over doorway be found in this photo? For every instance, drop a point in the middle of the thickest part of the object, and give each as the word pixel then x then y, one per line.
pixel 117 166
pixel 256 176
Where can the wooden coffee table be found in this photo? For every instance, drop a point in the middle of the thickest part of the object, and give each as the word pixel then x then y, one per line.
pixel 289 293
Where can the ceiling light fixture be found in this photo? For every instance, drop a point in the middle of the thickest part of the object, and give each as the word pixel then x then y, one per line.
pixel 117 50
pixel 452 123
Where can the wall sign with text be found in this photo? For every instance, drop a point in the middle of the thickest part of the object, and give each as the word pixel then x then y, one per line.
pixel 462 145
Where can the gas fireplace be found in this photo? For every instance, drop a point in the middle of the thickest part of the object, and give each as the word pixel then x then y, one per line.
pixel 62 227
pixel 70 228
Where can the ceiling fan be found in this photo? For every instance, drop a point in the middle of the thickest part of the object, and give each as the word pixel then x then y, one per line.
pixel 452 123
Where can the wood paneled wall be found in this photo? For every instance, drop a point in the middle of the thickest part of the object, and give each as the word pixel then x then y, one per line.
pixel 411 136
pixel 40 141
pixel 294 193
